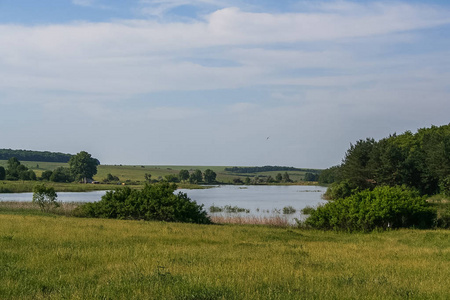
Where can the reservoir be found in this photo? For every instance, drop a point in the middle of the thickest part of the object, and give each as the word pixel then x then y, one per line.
pixel 256 199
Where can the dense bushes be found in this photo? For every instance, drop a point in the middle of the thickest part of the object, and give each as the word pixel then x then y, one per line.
pixel 153 202
pixel 384 207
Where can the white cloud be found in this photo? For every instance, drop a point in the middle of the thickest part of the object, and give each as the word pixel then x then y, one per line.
pixel 312 81
pixel 83 2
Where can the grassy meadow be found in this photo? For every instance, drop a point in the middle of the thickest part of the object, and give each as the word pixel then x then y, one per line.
pixel 132 175
pixel 56 257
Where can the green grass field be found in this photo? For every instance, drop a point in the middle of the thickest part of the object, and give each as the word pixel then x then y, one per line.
pixel 137 173
pixel 54 257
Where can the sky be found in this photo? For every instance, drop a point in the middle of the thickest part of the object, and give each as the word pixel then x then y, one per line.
pixel 219 82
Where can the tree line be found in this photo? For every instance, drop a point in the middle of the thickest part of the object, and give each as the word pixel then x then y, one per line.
pixel 267 169
pixel 82 167
pixel 29 155
pixel 384 184
pixel 420 161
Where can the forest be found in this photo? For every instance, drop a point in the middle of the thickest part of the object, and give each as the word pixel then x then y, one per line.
pixel 418 160
pixel 267 169
pixel 29 155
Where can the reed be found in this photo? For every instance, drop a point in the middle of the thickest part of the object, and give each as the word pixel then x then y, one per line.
pixel 276 220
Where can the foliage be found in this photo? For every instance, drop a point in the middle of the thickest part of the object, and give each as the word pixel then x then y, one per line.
pixel 196 176
pixel 209 176
pixel 286 177
pixel 279 177
pixel 171 178
pixel 28 155
pixel 288 210
pixel 307 210
pixel 111 178
pixel 330 175
pixel 237 180
pixel 153 202
pixel 420 161
pixel 45 197
pixel 311 177
pixel 2 173
pixel 265 169
pixel 15 171
pixel 183 175
pixel 384 207
pixel 61 174
pixel 83 166
pixel 46 175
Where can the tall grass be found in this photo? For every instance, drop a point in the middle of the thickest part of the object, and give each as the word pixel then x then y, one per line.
pixel 56 257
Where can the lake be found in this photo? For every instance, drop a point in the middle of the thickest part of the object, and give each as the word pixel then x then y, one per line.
pixel 259 200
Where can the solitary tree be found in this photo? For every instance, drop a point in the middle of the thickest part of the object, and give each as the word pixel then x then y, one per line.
pixel 286 177
pixel 210 176
pixel 183 175
pixel 83 166
pixel 45 197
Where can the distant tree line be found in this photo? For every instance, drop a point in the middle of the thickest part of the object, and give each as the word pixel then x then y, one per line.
pixel 267 169
pixel 28 155
pixel 420 161
pixel 82 166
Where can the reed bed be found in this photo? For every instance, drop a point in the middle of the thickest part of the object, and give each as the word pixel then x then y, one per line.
pixel 279 221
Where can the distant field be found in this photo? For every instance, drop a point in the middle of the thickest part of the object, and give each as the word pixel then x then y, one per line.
pixel 52 257
pixel 137 173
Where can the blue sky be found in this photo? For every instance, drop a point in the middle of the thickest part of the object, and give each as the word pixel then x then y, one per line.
pixel 206 82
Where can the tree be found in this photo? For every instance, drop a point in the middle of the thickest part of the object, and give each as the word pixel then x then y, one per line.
pixel 311 177
pixel 171 178
pixel 83 166
pixel 15 171
pixel 61 174
pixel 210 176
pixel 286 177
pixel 196 176
pixel 46 175
pixel 148 177
pixel 45 197
pixel 247 181
pixel 279 177
pixel 2 173
pixel 183 175
pixel 111 178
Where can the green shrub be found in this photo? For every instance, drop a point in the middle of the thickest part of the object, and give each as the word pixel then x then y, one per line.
pixel 45 197
pixel 153 202
pixel 384 207
pixel 289 210
pixel 307 210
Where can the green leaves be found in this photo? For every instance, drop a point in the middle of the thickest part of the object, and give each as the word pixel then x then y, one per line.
pixel 384 207
pixel 83 165
pixel 45 197
pixel 153 202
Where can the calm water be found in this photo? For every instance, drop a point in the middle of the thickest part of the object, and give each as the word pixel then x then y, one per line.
pixel 260 200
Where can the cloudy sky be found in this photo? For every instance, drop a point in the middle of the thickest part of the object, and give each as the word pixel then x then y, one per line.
pixel 219 82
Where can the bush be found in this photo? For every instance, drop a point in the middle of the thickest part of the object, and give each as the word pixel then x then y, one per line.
pixel 45 197
pixel 307 210
pixel 153 202
pixel 384 207
pixel 289 210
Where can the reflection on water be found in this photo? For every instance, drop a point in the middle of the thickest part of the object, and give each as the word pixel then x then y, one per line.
pixel 260 200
